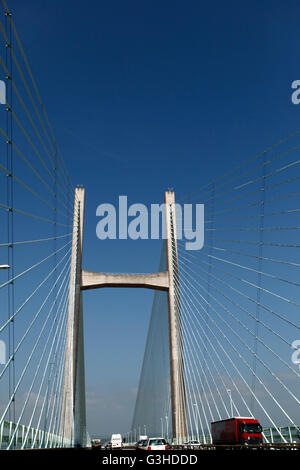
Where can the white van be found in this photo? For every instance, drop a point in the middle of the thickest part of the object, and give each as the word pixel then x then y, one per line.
pixel 116 441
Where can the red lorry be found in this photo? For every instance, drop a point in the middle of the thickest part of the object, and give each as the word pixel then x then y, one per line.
pixel 237 431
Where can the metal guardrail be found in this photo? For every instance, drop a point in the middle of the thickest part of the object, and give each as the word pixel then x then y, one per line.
pixel 28 438
pixel 290 433
pixel 261 447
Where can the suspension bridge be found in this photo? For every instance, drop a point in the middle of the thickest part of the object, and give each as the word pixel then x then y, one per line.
pixel 224 331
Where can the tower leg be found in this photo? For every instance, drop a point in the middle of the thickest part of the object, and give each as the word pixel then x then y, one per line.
pixel 178 401
pixel 73 426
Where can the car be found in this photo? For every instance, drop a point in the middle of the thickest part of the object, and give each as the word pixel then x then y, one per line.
pixel 140 443
pixel 191 444
pixel 154 443
pixel 96 443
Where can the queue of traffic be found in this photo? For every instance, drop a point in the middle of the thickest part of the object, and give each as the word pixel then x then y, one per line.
pixel 232 431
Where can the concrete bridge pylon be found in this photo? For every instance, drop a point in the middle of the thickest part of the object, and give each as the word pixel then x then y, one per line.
pixel 73 426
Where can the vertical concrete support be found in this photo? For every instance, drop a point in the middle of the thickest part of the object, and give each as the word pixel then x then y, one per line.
pixel 73 411
pixel 178 401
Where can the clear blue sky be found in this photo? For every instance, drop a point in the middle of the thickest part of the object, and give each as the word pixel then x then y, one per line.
pixel 144 96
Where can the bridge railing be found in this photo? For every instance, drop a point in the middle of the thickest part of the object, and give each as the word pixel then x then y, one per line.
pixel 290 433
pixel 270 435
pixel 34 439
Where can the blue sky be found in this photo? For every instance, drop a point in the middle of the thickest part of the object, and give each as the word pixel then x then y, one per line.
pixel 144 96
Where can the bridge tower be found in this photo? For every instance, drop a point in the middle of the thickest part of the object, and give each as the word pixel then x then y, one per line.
pixel 178 401
pixel 74 412
pixel 73 426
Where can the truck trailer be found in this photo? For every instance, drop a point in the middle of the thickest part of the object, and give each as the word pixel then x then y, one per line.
pixel 237 430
